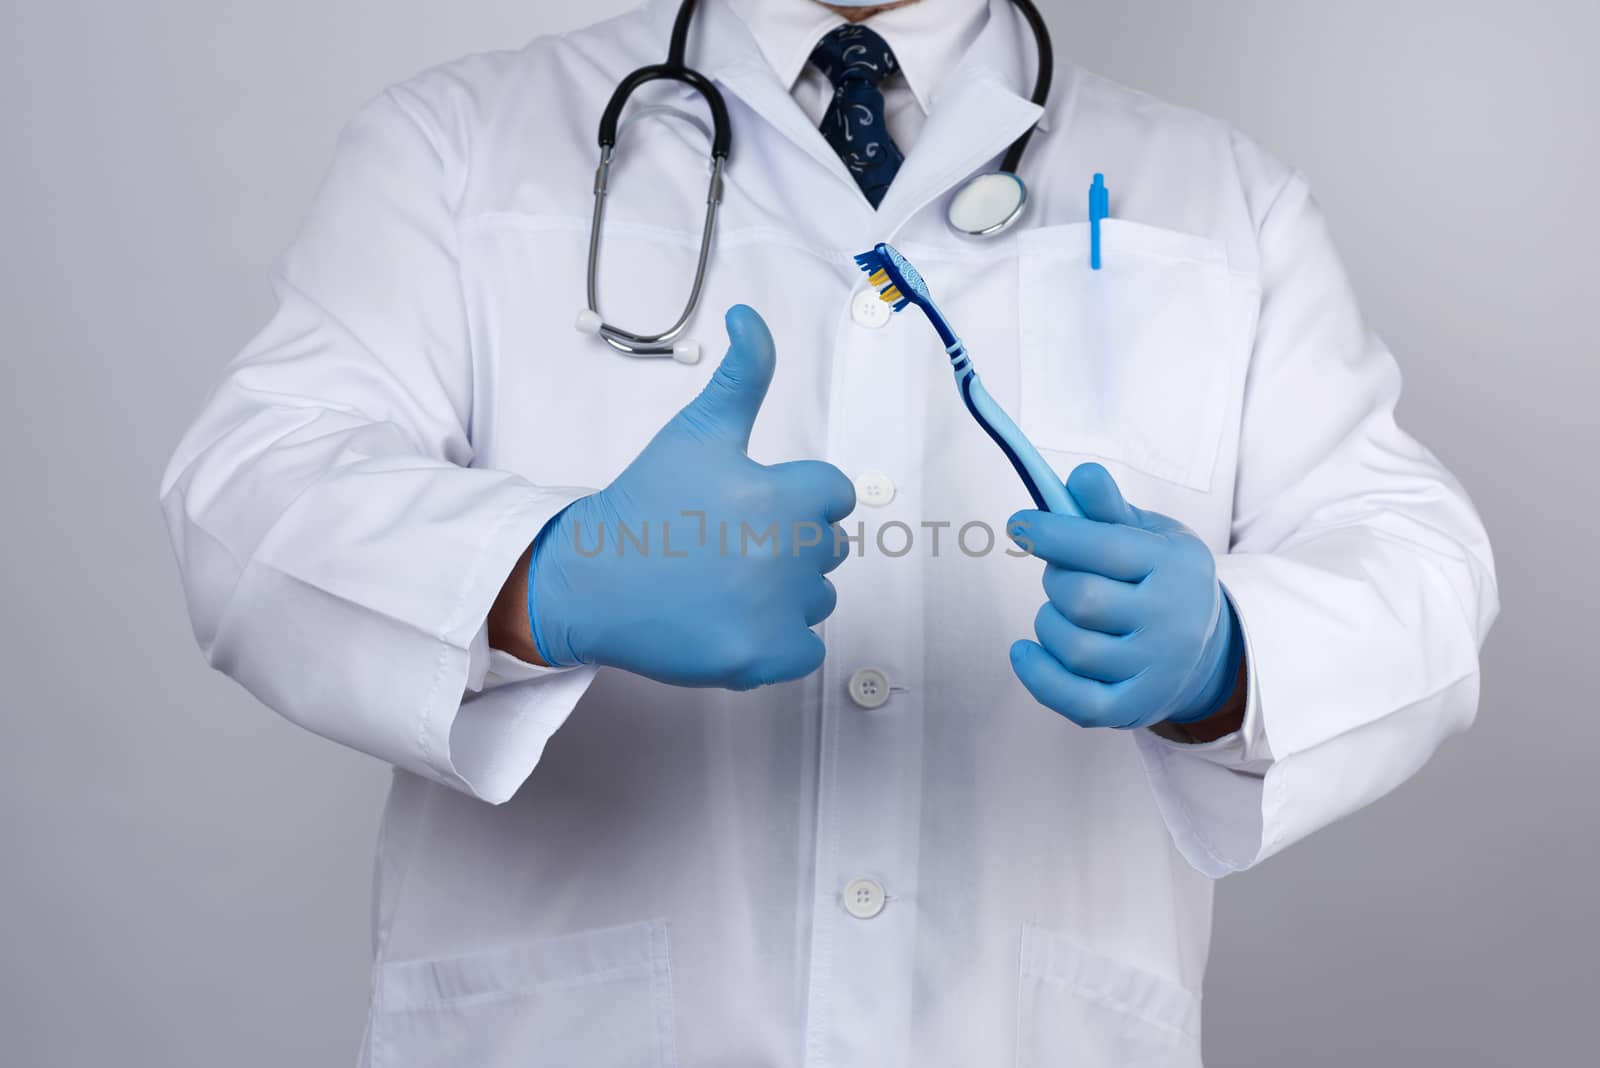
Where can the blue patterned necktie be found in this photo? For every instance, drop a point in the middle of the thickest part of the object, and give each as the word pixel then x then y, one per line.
pixel 855 60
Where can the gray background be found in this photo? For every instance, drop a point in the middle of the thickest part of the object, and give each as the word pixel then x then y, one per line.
pixel 185 876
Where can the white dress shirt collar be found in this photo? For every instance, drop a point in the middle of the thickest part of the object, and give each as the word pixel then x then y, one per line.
pixel 928 37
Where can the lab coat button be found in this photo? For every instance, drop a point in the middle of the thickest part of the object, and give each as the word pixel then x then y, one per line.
pixel 868 310
pixel 864 898
pixel 874 488
pixel 869 688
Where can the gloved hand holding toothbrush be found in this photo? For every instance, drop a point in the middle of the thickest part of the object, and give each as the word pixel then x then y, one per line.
pixel 1137 630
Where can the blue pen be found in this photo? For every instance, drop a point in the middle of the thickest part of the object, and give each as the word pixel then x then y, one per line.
pixel 1099 209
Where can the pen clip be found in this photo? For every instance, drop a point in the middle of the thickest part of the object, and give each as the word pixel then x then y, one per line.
pixel 1099 209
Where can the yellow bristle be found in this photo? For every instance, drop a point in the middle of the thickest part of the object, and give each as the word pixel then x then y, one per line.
pixel 878 277
pixel 890 295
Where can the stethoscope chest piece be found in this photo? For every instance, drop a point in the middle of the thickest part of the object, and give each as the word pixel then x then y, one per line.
pixel 988 204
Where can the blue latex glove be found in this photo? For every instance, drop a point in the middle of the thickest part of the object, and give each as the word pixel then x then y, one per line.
pixel 696 592
pixel 1137 629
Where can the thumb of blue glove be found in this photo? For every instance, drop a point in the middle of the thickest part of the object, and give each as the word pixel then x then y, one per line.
pixel 727 407
pixel 1136 629
pixel 1099 497
pixel 697 566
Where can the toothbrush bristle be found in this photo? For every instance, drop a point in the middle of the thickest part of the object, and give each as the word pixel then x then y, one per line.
pixel 876 263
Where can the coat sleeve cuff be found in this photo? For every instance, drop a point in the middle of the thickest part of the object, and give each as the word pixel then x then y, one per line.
pixel 401 685
pixel 1212 794
pixel 490 715
pixel 497 737
pixel 1310 756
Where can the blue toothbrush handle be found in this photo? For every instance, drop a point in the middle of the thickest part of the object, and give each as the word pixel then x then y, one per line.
pixel 1044 486
pixel 1049 493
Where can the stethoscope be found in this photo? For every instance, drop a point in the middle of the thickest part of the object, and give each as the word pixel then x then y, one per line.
pixel 985 205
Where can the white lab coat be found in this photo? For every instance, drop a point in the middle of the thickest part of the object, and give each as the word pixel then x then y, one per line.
pixel 587 868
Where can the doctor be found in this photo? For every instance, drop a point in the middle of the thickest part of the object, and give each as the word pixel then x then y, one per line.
pixel 668 797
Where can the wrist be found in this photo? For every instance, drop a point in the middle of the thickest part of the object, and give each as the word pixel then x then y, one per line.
pixel 508 616
pixel 548 637
pixel 1226 658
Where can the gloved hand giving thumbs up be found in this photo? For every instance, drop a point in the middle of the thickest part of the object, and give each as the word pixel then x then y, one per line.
pixel 697 566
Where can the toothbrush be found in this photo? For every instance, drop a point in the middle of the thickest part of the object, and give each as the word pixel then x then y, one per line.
pixel 899 284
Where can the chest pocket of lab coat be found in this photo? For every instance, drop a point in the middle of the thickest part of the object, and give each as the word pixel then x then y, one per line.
pixel 1076 1007
pixel 563 407
pixel 601 999
pixel 1131 363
